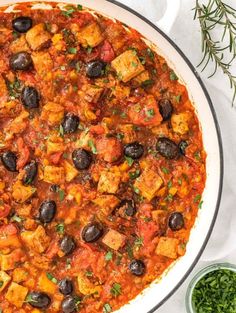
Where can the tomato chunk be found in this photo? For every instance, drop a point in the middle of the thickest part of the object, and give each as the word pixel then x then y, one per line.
pixel 110 149
pixel 107 52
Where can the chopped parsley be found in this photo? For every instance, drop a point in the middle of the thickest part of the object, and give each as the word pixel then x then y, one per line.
pixel 147 83
pixel 197 198
pixel 89 274
pixel 129 160
pixel 150 113
pixel 197 155
pixel 138 242
pixel 107 308
pixel 16 218
pixel 136 190
pixel 51 277
pixel 116 289
pixel 120 136
pixel 60 228
pixel 165 170
pixel 72 50
pixel 79 7
pixel 134 64
pixel 177 98
pixel 134 175
pixel 61 194
pixel 61 131
pixel 150 53
pixel 89 50
pixel 109 256
pixel 173 76
pixel 215 292
pixel 1 283
pixel 92 146
pixel 69 11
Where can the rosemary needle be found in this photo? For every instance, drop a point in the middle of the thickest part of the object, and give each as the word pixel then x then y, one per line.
pixel 218 13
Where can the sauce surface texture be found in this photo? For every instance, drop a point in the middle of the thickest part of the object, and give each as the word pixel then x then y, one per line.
pixel 102 162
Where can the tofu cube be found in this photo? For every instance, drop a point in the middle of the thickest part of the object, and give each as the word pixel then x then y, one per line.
pixel 107 203
pixel 70 171
pixel 20 275
pixel 108 182
pixel 90 35
pixel 148 183
pixel 54 174
pixel 92 93
pixel 46 285
pixel 43 64
pixel 36 240
pixel 22 193
pixel 53 113
pixel 18 45
pixel 127 65
pixel 114 240
pixel 168 247
pixel 144 76
pixel 4 280
pixel 16 294
pixel 179 123
pixel 38 37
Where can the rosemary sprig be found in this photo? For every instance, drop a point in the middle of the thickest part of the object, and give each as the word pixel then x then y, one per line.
pixel 218 13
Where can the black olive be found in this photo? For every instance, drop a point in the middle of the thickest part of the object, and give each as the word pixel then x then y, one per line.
pixel 176 221
pixel 137 267
pixel 95 69
pixel 66 286
pixel 67 244
pixel 92 232
pixel 20 61
pixel 38 300
pixel 134 150
pixel 165 108
pixel 9 161
pixel 47 211
pixel 31 170
pixel 129 207
pixel 54 188
pixel 30 97
pixel 81 159
pixel 167 148
pixel 68 305
pixel 22 24
pixel 182 146
pixel 70 123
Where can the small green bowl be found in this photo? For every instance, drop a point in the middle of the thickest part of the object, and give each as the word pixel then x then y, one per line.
pixel 198 276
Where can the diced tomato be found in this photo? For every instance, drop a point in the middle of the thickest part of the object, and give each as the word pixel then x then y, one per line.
pixel 145 113
pixel 24 153
pixel 109 149
pixel 4 210
pixel 55 157
pixel 8 230
pixel 52 249
pixel 97 129
pixel 107 52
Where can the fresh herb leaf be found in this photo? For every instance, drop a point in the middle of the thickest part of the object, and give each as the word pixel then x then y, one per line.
pixel 147 83
pixel 138 242
pixel 51 277
pixel 1 283
pixel 173 76
pixel 72 50
pixel 136 190
pixel 150 53
pixel 60 228
pixel 69 11
pixel 116 289
pixel 150 113
pixel 109 256
pixel 120 136
pixel 197 198
pixel 61 131
pixel 129 160
pixel 107 308
pixel 61 194
pixel 16 218
pixel 92 146
pixel 89 274
pixel 89 50
pixel 79 7
pixel 165 170
pixel 129 250
pixel 134 175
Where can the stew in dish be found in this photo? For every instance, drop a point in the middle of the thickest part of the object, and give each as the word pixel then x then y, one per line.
pixel 102 162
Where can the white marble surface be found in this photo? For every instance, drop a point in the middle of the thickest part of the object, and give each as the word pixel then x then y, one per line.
pixel 186 34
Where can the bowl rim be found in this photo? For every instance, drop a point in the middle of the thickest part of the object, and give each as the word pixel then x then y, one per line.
pixel 220 144
pixel 216 124
pixel 199 275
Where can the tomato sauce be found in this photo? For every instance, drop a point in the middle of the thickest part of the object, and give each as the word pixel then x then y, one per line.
pixel 102 162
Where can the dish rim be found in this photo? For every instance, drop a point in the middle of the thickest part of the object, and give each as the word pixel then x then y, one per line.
pixel 216 124
pixel 219 137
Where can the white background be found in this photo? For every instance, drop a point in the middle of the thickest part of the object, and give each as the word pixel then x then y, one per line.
pixel 186 34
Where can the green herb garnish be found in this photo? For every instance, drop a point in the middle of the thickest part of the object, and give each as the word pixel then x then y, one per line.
pixel 107 308
pixel 72 50
pixel 51 277
pixel 92 146
pixel 173 76
pixel 129 160
pixel 150 53
pixel 108 256
pixel 60 228
pixel 215 292
pixel 116 289
pixel 1 283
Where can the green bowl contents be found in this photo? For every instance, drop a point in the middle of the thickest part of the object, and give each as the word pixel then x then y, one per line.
pixel 213 290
